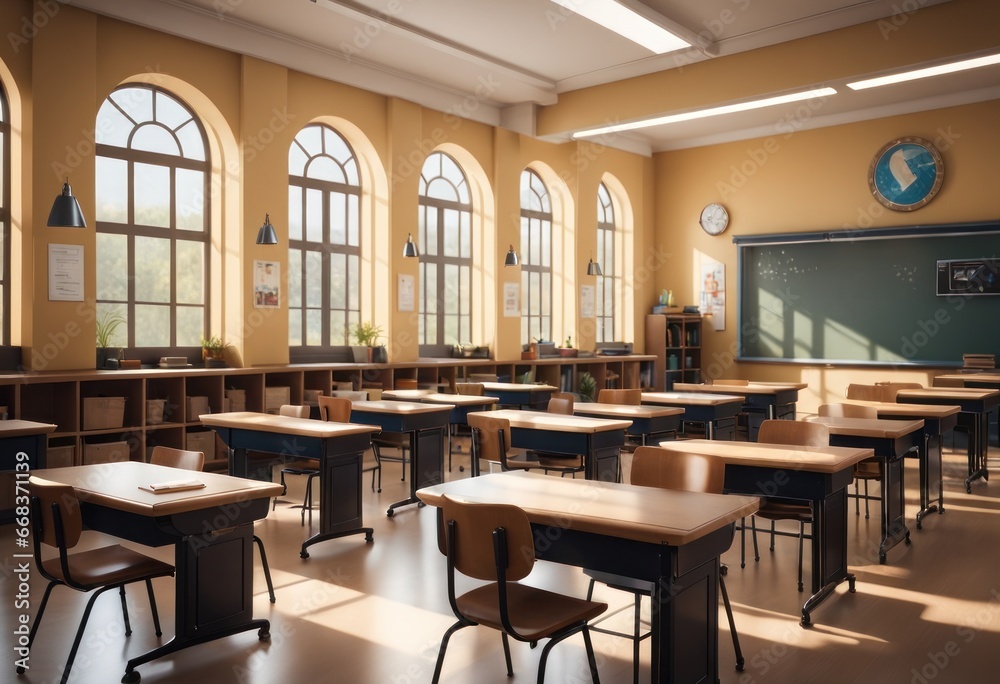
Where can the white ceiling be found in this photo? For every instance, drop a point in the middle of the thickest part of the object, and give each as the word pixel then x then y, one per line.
pixel 505 56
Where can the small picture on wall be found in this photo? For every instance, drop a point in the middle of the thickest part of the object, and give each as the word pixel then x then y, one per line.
pixel 713 293
pixel 266 284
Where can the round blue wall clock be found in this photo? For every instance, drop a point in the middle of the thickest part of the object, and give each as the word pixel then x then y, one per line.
pixel 906 174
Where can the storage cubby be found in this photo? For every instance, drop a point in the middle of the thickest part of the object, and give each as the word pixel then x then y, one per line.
pixel 50 402
pixel 131 389
pixel 165 397
pixel 675 340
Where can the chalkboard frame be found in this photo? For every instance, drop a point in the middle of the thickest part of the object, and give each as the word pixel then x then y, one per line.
pixel 743 242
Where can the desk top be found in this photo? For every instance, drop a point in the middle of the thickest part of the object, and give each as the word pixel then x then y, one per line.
pixel 20 428
pixel 400 407
pixel 690 398
pixel 976 377
pixel 827 459
pixel 932 411
pixel 540 420
pixel 948 392
pixel 646 514
pixel 286 425
pixel 116 485
pixel 750 388
pixel 432 397
pixel 517 387
pixel 625 411
pixel 868 427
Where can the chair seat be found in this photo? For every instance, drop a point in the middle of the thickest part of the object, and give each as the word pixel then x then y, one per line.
pixel 771 509
pixel 300 471
pixel 868 470
pixel 517 458
pixel 535 613
pixel 109 565
pixel 621 582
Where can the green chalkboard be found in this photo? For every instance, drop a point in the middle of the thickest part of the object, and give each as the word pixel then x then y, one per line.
pixel 864 297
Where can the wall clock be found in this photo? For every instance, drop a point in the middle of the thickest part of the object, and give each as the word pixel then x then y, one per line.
pixel 714 218
pixel 906 174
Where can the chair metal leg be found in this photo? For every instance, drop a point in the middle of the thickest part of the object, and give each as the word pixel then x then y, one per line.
pixel 79 633
pixel 38 619
pixel 128 624
pixel 732 624
pixel 753 529
pixel 802 529
pixel 152 607
pixel 866 500
pixel 772 537
pixel 636 638
pixel 267 569
pixel 444 646
pixel 506 653
pixel 591 659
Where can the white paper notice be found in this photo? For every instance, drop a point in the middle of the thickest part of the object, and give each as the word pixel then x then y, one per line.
pixel 586 301
pixel 65 273
pixel 511 300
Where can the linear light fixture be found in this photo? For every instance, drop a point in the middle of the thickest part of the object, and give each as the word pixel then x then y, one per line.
pixel 711 111
pixel 626 22
pixel 926 72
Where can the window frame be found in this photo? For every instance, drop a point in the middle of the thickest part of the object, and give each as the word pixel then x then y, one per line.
pixel 607 236
pixel 545 220
pixel 5 276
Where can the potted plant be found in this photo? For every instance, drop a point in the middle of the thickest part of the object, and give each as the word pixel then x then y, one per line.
pixel 567 350
pixel 587 386
pixel 107 329
pixel 212 351
pixel 366 334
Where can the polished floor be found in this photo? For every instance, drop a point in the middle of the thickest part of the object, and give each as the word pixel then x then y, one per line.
pixel 368 613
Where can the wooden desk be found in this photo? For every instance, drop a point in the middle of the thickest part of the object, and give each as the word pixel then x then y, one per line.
pixel 462 406
pixel 716 411
pixel 599 439
pixel 671 539
pixel 976 406
pixel 761 400
pixel 819 475
pixel 648 422
pixel 22 451
pixel 211 530
pixel 424 425
pixel 339 448
pixel 522 395
pixel 937 421
pixel 891 440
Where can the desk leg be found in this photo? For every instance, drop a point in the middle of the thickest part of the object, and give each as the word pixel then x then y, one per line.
pixel 978 438
pixel 685 636
pixel 931 472
pixel 214 595
pixel 426 464
pixel 339 500
pixel 893 523
pixel 829 551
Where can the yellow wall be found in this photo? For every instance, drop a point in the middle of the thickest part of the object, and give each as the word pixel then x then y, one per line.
pixel 809 181
pixel 59 76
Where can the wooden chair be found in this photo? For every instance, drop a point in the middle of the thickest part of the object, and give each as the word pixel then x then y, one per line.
pixel 310 473
pixel 561 403
pixel 486 542
pixel 195 460
pixel 866 392
pixel 472 389
pixel 490 442
pixel 406 383
pixel 56 522
pixel 338 410
pixel 655 467
pixel 868 469
pixel 629 397
pixel 775 508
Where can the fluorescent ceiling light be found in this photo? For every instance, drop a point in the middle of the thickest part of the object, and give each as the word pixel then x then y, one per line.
pixel 950 68
pixel 626 22
pixel 711 111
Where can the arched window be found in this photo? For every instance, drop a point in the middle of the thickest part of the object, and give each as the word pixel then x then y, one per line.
pixel 4 220
pixel 609 283
pixel 324 242
pixel 536 259
pixel 445 243
pixel 152 221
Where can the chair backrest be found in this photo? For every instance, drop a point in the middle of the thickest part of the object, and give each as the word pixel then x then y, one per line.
pixel 795 432
pixel 490 436
pixel 474 524
pixel 474 389
pixel 353 395
pixel 177 458
pixel 406 383
pixel 48 500
pixel 561 403
pixel 667 469
pixel 730 381
pixel 631 397
pixel 866 392
pixel 335 409
pixel 848 411
pixel 889 389
pixel 293 411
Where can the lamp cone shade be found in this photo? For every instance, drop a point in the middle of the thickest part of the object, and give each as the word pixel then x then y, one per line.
pixel 410 248
pixel 511 259
pixel 594 269
pixel 266 234
pixel 66 212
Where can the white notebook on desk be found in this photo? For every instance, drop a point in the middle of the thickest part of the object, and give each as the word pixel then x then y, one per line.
pixel 172 486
